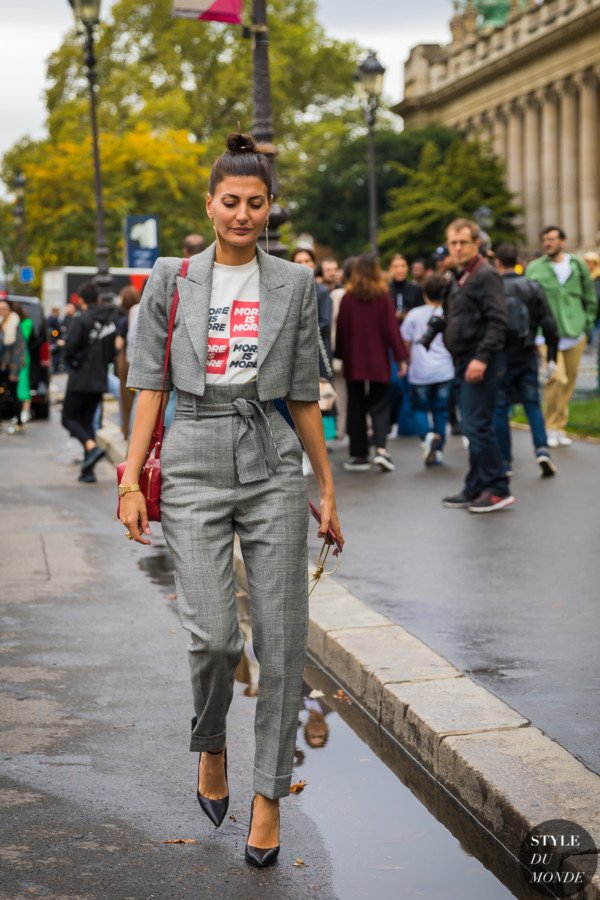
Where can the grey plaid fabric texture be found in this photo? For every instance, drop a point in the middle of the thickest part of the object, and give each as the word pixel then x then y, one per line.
pixel 230 463
pixel 203 503
pixel 288 349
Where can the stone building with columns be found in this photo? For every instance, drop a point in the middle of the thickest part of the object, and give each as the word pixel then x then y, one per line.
pixel 528 83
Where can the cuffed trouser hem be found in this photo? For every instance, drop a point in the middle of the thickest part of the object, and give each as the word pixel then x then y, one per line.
pixel 213 742
pixel 271 786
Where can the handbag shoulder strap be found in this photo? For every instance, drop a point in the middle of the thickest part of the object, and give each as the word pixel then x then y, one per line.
pixel 159 425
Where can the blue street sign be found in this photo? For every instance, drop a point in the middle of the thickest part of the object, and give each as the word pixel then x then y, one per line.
pixel 26 274
pixel 141 241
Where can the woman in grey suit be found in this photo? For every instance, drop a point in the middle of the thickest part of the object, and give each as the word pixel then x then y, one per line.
pixel 245 334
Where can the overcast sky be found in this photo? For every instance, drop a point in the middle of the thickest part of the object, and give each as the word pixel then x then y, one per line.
pixel 32 30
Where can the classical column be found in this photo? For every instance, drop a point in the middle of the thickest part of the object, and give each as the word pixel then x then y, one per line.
pixel 588 159
pixel 550 167
pixel 531 188
pixel 569 183
pixel 499 133
pixel 485 127
pixel 514 150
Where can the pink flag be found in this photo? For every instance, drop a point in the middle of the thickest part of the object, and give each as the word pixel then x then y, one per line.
pixel 209 10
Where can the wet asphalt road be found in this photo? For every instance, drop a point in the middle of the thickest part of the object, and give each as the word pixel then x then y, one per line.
pixel 511 598
pixel 95 770
pixel 94 708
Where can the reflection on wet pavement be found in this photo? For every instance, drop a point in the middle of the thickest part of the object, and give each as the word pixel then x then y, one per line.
pixel 389 827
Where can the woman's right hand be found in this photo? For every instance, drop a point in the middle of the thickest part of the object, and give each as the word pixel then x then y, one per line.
pixel 134 516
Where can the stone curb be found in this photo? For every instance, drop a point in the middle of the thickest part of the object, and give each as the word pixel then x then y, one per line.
pixel 506 772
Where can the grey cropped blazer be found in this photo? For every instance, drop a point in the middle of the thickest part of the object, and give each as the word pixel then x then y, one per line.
pixel 288 349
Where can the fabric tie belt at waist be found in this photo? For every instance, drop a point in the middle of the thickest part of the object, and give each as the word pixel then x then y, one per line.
pixel 256 452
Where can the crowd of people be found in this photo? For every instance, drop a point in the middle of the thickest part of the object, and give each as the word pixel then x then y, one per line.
pixel 453 345
pixel 425 349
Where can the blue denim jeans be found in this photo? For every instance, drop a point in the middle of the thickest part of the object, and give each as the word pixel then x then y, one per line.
pixel 477 404
pixel 431 407
pixel 519 385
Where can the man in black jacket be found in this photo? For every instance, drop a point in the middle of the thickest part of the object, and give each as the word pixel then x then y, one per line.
pixel 528 310
pixel 475 330
pixel 89 350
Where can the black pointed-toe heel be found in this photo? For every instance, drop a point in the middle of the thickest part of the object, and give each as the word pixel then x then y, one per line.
pixel 259 856
pixel 216 810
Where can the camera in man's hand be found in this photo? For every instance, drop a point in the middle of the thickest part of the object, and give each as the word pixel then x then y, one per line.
pixel 435 326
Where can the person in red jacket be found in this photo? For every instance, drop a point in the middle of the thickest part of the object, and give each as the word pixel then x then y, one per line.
pixel 367 334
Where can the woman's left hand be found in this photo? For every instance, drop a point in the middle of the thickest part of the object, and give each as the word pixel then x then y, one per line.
pixel 329 519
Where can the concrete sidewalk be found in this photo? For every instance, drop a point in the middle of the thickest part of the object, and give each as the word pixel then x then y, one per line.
pixel 503 769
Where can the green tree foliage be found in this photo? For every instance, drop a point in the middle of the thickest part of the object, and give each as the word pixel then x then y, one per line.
pixel 182 74
pixel 443 186
pixel 161 81
pixel 331 203
pixel 142 171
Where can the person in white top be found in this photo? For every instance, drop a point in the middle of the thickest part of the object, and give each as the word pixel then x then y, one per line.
pixel 430 372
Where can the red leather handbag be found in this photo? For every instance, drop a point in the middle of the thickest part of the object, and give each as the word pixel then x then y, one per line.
pixel 150 477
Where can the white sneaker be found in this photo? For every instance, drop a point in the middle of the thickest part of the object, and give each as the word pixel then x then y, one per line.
pixel 563 440
pixel 553 439
pixel 465 442
pixel 428 448
pixel 439 458
pixel 383 460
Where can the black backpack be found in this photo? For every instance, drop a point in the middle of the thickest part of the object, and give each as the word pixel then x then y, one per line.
pixel 518 291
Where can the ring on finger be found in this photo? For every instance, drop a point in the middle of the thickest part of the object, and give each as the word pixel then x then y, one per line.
pixel 129 535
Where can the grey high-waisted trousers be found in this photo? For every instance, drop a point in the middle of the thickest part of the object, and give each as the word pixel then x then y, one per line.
pixel 232 464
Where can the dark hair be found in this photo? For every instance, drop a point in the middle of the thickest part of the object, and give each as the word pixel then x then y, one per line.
pixel 88 292
pixel 399 256
pixel 129 297
pixel 434 287
pixel 562 235
pixel 348 268
pixel 244 158
pixel 367 281
pixel 507 254
pixel 16 307
pixel 298 250
pixel 421 260
pixel 193 244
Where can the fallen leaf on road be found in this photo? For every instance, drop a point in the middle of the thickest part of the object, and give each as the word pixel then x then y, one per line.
pixel 173 631
pixel 298 787
pixel 181 841
pixel 125 725
pixel 340 695
pixel 316 695
pixel 171 596
pixel 298 862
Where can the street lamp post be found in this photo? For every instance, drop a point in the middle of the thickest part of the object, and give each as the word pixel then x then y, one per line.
pixel 87 17
pixel 368 80
pixel 262 126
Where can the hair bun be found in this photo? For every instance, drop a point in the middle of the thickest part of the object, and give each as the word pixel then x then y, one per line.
pixel 237 142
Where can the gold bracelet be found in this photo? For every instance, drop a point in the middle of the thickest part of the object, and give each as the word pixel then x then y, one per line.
pixel 128 489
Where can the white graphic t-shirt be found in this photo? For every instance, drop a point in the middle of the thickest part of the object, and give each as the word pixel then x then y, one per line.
pixel 233 324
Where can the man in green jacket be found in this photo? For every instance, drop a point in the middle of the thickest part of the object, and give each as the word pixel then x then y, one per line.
pixel 572 297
